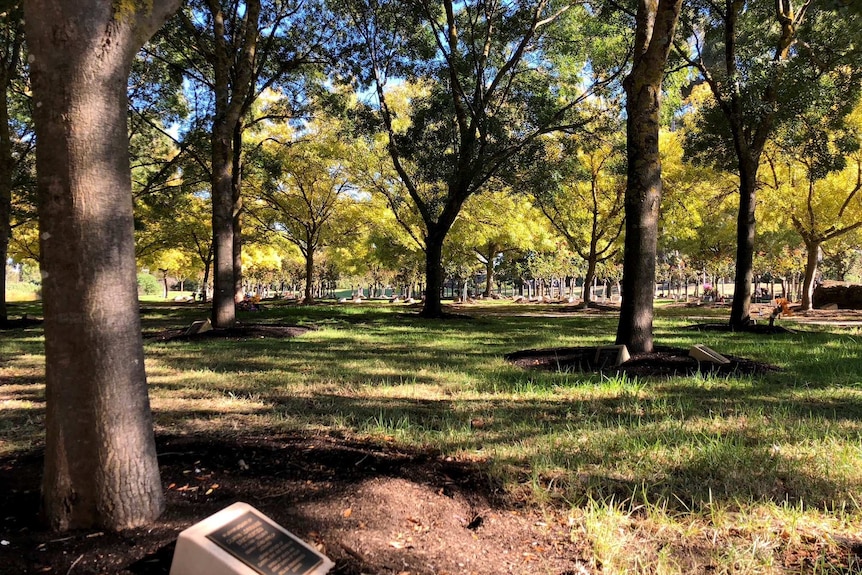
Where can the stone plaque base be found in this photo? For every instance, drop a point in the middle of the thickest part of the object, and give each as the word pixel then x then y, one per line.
pixel 240 540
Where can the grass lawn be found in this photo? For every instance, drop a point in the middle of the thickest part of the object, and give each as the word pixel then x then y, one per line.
pixel 699 474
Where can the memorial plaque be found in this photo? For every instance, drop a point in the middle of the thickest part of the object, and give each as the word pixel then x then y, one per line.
pixel 200 326
pixel 611 356
pixel 240 540
pixel 702 353
pixel 263 547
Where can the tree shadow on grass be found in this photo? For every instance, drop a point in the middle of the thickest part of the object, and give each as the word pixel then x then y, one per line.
pixel 746 458
pixel 220 463
pixel 308 483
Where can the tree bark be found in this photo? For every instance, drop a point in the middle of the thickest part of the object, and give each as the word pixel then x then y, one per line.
pixel 589 276
pixel 164 283
pixel 740 309
pixel 100 458
pixel 236 209
pixel 433 307
pixel 309 276
pixel 489 271
pixel 224 303
pixel 813 249
pixel 656 22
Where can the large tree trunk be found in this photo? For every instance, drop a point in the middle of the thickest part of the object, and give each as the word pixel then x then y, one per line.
pixel 589 276
pixel 100 458
pixel 656 22
pixel 224 303
pixel 489 272
pixel 433 307
pixel 643 198
pixel 740 310
pixel 233 73
pixel 309 276
pixel 236 186
pixel 813 249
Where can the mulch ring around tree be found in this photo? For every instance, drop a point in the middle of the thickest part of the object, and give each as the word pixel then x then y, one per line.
pixel 661 362
pixel 239 331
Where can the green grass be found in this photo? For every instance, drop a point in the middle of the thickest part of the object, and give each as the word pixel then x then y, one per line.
pixel 22 292
pixel 684 475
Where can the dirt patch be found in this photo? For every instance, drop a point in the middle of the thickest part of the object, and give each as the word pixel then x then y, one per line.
pixel 370 508
pixel 662 362
pixel 239 331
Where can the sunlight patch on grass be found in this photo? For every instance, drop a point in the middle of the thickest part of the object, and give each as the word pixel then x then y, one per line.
pixel 23 361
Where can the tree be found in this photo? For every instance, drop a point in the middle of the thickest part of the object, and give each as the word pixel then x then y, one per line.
pixel 484 97
pixel 262 265
pixel 238 51
pixel 391 243
pixel 396 228
pixel 655 24
pixel 830 204
pixel 495 223
pixel 308 186
pixel 231 54
pixel 586 207
pixel 698 211
pixel 172 207
pixel 11 48
pixel 171 263
pixel 100 458
pixel 762 62
pixel 841 259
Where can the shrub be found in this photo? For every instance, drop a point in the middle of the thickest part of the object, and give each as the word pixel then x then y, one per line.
pixel 148 285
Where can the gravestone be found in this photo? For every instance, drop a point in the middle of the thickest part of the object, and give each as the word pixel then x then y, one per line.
pixel 240 540
pixel 200 326
pixel 707 355
pixel 611 356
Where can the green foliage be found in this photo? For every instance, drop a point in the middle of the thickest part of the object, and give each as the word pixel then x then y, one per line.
pixel 776 76
pixel 483 81
pixel 148 284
